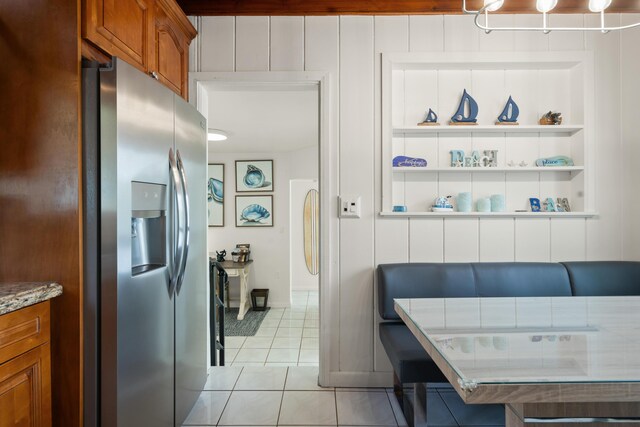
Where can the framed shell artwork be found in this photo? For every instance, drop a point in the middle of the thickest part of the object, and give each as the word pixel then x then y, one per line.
pixel 215 195
pixel 254 176
pixel 254 211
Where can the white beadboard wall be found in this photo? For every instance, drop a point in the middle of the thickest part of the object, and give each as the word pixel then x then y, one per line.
pixel 350 47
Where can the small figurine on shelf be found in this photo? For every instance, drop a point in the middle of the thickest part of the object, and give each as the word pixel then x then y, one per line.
pixel 556 161
pixel 467 103
pixel 442 204
pixel 563 203
pixel 475 159
pixel 409 162
pixel 551 118
pixel 490 158
pixel 220 255
pixel 457 158
pixel 549 205
pixel 510 113
pixel 430 120
pixel 535 204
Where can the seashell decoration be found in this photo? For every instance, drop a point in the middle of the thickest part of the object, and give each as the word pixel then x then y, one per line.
pixel 254 178
pixel 254 213
pixel 215 190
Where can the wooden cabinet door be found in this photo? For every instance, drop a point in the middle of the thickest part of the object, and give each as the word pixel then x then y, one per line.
pixel 172 35
pixel 25 390
pixel 121 28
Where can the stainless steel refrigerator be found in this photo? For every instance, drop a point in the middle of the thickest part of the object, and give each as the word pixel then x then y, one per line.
pixel 146 265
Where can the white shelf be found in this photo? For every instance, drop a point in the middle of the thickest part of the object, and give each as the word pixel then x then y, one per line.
pixel 489 170
pixel 427 130
pixel 490 214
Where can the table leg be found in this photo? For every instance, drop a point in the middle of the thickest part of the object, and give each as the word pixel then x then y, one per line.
pixel 244 303
pixel 511 418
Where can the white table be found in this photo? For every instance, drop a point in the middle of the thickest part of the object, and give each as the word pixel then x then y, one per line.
pixel 240 270
pixel 551 361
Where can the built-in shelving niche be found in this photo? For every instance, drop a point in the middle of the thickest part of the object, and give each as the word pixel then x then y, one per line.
pixel 538 82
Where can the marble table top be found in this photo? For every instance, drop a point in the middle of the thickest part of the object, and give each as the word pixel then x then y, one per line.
pixel 14 296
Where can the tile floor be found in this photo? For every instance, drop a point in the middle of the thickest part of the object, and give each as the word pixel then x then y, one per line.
pixel 288 396
pixel 287 337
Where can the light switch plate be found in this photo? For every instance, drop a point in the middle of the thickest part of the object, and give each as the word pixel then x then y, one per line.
pixel 350 206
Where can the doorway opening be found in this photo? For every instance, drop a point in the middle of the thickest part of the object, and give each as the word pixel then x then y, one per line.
pixel 267 178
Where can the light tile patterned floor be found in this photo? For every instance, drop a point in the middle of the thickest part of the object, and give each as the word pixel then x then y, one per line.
pixel 287 337
pixel 288 396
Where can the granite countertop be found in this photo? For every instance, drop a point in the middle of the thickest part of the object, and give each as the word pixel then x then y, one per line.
pixel 14 296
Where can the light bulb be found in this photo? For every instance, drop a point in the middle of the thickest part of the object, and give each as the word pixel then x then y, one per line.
pixel 545 6
pixel 216 135
pixel 497 5
pixel 598 6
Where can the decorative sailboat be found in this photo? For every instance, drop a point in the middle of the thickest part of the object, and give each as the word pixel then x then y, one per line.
pixel 461 118
pixel 430 120
pixel 509 115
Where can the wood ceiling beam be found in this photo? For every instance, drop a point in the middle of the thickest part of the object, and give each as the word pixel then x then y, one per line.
pixel 379 7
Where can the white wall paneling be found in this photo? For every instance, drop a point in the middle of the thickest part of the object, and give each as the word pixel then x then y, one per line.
pixel 356 172
pixel 349 48
pixel 217 37
pixel 497 239
pixel 607 52
pixel 391 237
pixel 427 240
pixel 287 43
pixel 252 43
pixel 533 240
pixel 630 137
pixel 461 240
pixel 426 33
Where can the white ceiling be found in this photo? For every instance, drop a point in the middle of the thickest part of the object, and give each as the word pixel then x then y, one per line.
pixel 261 118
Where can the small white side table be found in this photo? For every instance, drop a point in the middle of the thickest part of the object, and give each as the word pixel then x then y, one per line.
pixel 241 270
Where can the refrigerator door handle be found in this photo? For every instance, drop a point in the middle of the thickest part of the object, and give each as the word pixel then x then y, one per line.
pixel 178 232
pixel 187 230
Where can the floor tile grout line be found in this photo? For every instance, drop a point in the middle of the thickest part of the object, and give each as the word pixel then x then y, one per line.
pixel 395 417
pixel 335 398
pixel 282 397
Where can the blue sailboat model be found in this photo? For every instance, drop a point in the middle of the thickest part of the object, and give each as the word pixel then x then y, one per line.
pixel 430 120
pixel 462 118
pixel 509 115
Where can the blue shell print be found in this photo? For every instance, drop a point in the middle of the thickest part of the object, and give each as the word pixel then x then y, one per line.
pixel 215 190
pixel 254 214
pixel 254 178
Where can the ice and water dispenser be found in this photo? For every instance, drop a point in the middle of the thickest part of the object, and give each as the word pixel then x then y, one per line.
pixel 148 227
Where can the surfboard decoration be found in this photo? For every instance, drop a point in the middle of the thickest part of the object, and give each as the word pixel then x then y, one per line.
pixel 312 231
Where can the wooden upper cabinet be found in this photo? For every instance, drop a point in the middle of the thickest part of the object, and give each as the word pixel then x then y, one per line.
pixel 121 28
pixel 172 35
pixel 152 35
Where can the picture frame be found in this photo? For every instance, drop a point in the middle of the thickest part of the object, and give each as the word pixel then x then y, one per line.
pixel 254 211
pixel 254 176
pixel 215 194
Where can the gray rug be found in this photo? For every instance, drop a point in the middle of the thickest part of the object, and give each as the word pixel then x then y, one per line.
pixel 246 327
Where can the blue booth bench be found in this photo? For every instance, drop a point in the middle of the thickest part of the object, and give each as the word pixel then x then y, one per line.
pixel 412 364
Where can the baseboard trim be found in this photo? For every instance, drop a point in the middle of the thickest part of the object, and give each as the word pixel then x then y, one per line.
pixel 359 379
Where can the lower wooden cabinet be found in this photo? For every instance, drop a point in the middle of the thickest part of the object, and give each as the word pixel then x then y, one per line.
pixel 25 377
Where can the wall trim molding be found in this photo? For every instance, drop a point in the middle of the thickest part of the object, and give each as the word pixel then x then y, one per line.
pixel 328 185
